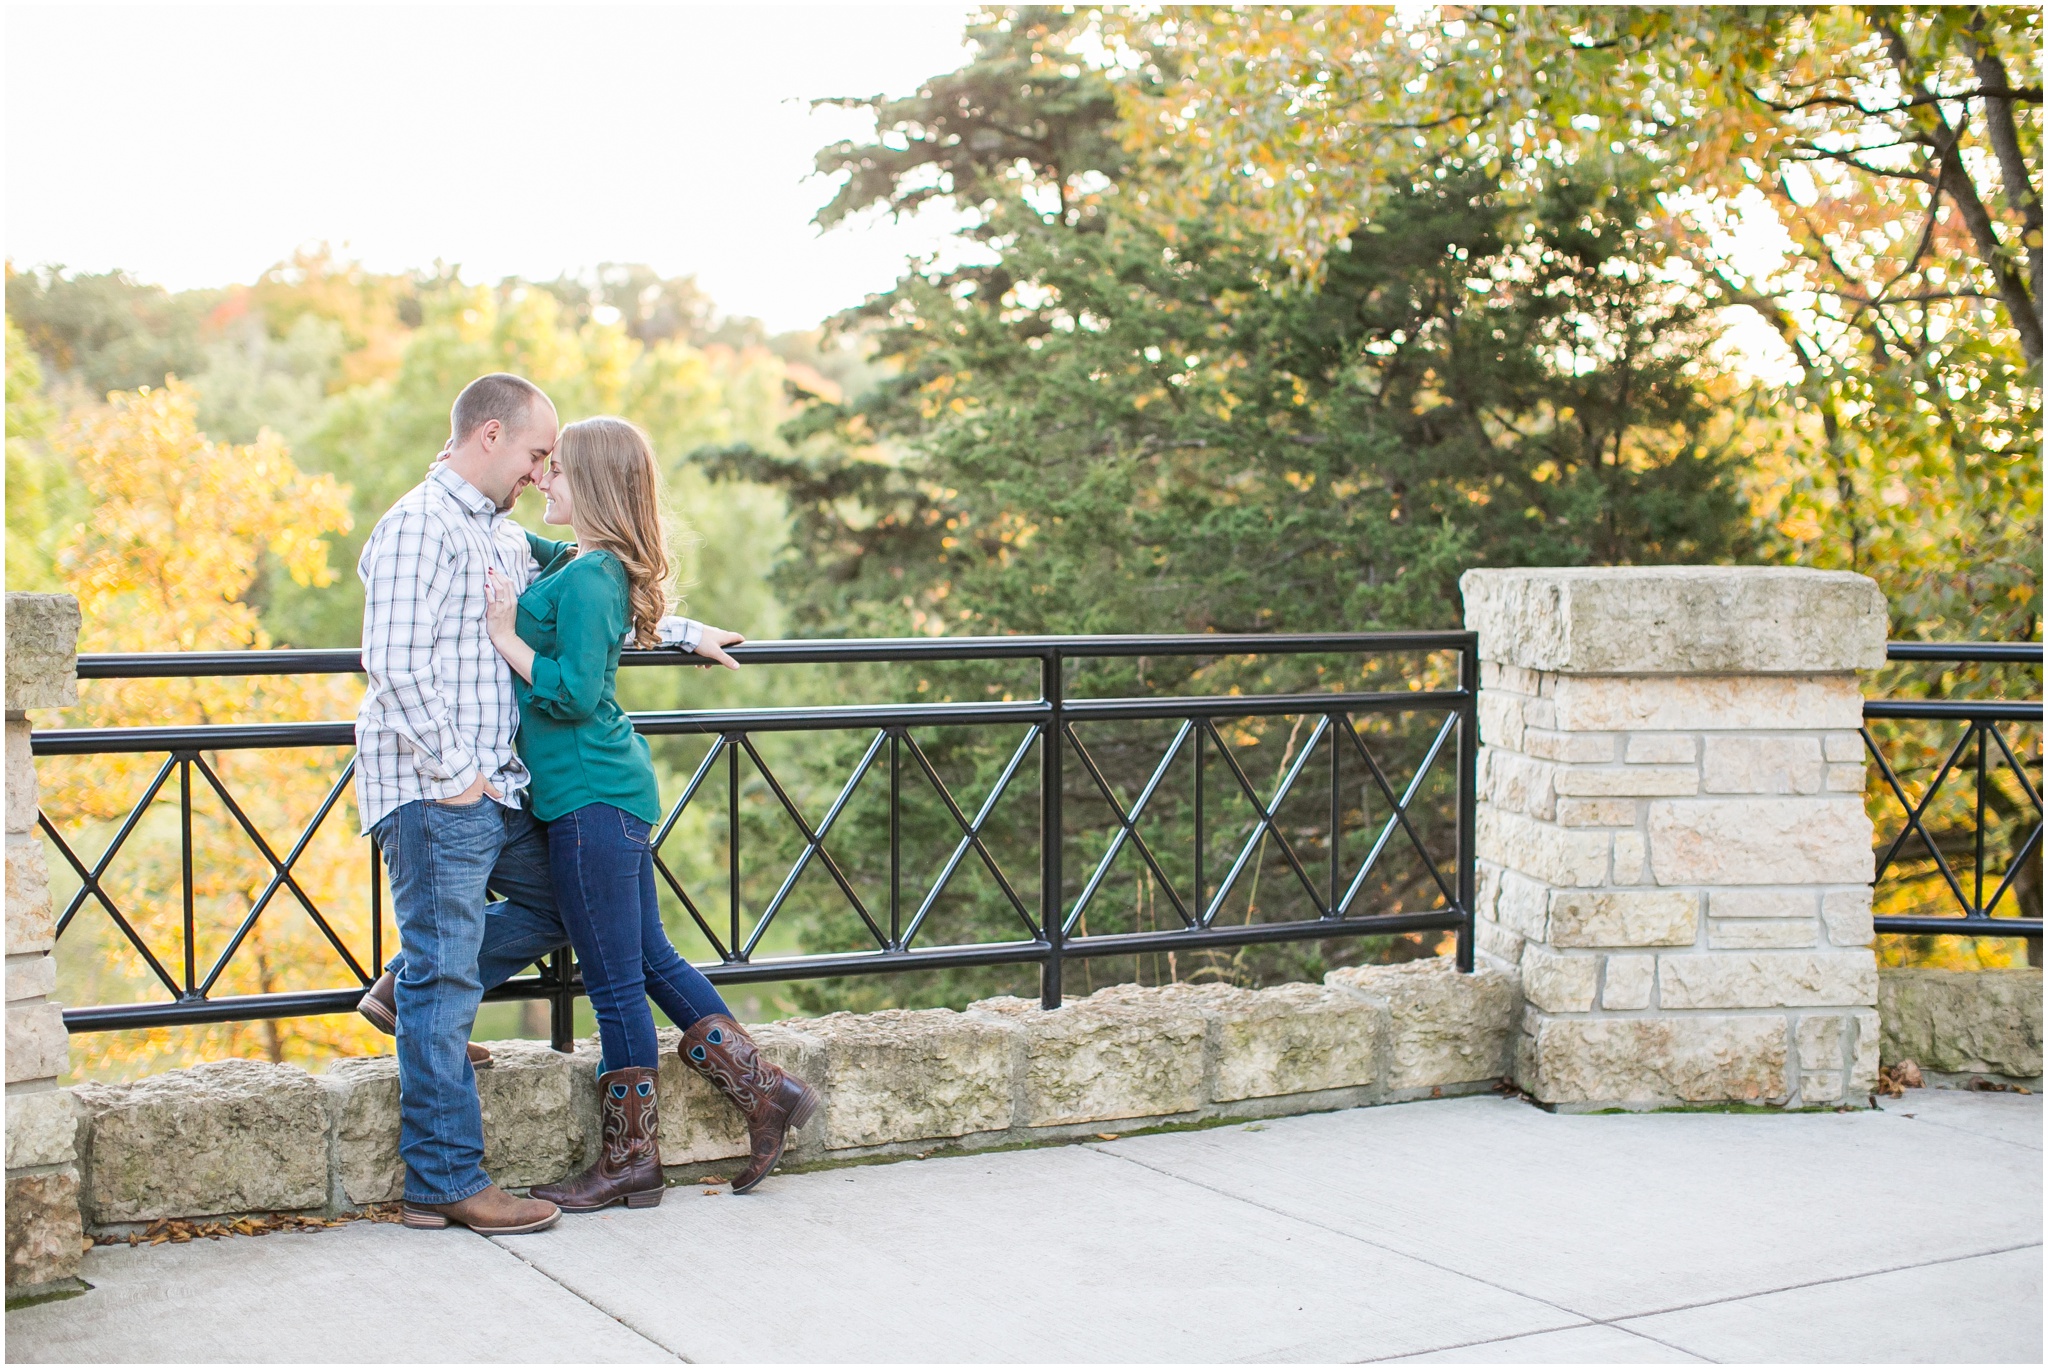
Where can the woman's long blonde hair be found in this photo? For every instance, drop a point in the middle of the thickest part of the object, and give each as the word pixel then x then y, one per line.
pixel 615 487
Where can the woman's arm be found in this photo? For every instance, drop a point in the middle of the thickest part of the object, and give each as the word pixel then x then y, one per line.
pixel 590 614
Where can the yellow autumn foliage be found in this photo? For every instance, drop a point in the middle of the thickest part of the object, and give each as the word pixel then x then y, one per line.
pixel 179 530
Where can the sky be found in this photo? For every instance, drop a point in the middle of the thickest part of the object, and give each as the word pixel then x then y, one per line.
pixel 196 145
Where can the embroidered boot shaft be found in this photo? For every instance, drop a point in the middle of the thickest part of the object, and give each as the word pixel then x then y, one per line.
pixel 773 1101
pixel 628 1167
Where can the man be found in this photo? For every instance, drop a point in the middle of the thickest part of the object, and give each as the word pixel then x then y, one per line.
pixel 440 787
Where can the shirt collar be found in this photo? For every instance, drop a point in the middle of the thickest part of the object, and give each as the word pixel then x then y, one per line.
pixel 465 494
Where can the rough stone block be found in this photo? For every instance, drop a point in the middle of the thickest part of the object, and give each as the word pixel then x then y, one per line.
pixel 1596 812
pixel 530 1131
pixel 42 651
pixel 24 795
pixel 1820 1042
pixel 1089 1060
pixel 1847 914
pixel 1559 983
pixel 42 1129
pixel 38 1047
pixel 1767 934
pixel 1633 781
pixel 1760 903
pixel 1630 856
pixel 31 976
pixel 1646 1061
pixel 45 1238
pixel 1768 979
pixel 1863 1061
pixel 1629 981
pixel 230 1136
pixel 1624 917
pixel 1446 1027
pixel 1497 941
pixel 1516 783
pixel 1963 1022
pixel 1763 765
pixel 1718 703
pixel 1655 749
pixel 1662 620
pixel 1843 747
pixel 31 927
pixel 1571 857
pixel 1512 679
pixel 362 1102
pixel 1293 1038
pixel 1846 779
pixel 1524 906
pixel 1761 841
pixel 1576 748
pixel 1500 719
pixel 912 1076
pixel 1819 1087
pixel 696 1121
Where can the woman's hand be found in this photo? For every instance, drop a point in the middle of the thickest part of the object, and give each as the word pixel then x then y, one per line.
pixel 711 646
pixel 501 616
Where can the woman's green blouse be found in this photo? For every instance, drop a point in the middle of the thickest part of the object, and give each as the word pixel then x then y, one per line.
pixel 573 736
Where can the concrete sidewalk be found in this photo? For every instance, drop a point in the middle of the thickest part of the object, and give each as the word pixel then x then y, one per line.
pixel 1470 1229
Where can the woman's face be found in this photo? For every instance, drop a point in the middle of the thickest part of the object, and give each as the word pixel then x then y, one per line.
pixel 554 486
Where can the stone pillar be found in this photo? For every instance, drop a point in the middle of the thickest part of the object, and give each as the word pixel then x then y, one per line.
pixel 1672 840
pixel 44 1237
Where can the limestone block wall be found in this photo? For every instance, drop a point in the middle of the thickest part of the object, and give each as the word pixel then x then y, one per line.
pixel 247 1136
pixel 1959 1026
pixel 44 1242
pixel 1672 841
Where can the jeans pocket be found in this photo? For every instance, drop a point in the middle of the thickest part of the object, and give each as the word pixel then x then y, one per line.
pixel 634 832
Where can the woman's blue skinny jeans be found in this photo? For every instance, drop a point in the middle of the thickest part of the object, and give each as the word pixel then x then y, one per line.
pixel 604 886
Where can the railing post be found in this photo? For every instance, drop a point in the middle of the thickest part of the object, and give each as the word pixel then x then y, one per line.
pixel 1468 800
pixel 44 1235
pixel 1051 897
pixel 561 1003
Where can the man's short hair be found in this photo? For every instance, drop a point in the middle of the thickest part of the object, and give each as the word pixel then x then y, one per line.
pixel 503 396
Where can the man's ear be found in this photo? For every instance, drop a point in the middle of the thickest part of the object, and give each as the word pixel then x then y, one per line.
pixel 492 432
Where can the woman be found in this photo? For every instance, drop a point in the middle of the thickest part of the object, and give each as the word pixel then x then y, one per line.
pixel 594 787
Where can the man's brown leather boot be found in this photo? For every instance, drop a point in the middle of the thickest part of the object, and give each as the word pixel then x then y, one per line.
pixel 380 1005
pixel 628 1168
pixel 490 1212
pixel 774 1102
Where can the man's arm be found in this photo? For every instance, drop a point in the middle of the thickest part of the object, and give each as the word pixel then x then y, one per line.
pixel 408 573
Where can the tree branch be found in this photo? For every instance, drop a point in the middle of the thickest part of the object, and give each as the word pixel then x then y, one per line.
pixel 2004 136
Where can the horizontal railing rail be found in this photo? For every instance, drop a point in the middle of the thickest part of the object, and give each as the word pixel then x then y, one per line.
pixel 1983 749
pixel 1051 928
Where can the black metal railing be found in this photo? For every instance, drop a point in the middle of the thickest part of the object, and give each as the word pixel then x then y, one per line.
pixel 1998 821
pixel 1050 920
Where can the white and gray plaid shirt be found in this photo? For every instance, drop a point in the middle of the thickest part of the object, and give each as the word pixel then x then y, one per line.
pixel 440 709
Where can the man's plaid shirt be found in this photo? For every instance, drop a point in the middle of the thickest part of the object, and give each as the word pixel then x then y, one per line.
pixel 440 708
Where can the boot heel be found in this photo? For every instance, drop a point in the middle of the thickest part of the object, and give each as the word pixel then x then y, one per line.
pixel 421 1220
pixel 806 1106
pixel 651 1198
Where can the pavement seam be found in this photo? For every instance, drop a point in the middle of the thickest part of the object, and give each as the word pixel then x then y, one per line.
pixel 666 1349
pixel 1965 1131
pixel 1531 1335
pixel 1580 1317
pixel 1818 1283
pixel 1585 1318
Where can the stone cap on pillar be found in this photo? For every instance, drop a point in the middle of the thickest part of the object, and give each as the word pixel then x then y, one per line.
pixel 42 651
pixel 1677 620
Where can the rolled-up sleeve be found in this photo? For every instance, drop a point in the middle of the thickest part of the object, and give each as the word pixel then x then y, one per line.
pixel 590 616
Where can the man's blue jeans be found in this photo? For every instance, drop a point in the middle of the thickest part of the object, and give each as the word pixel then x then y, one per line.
pixel 441 858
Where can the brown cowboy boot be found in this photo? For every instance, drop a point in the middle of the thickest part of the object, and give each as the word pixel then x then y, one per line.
pixel 774 1102
pixel 380 1005
pixel 489 1212
pixel 628 1168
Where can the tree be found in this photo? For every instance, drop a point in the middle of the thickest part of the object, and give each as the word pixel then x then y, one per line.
pixel 164 564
